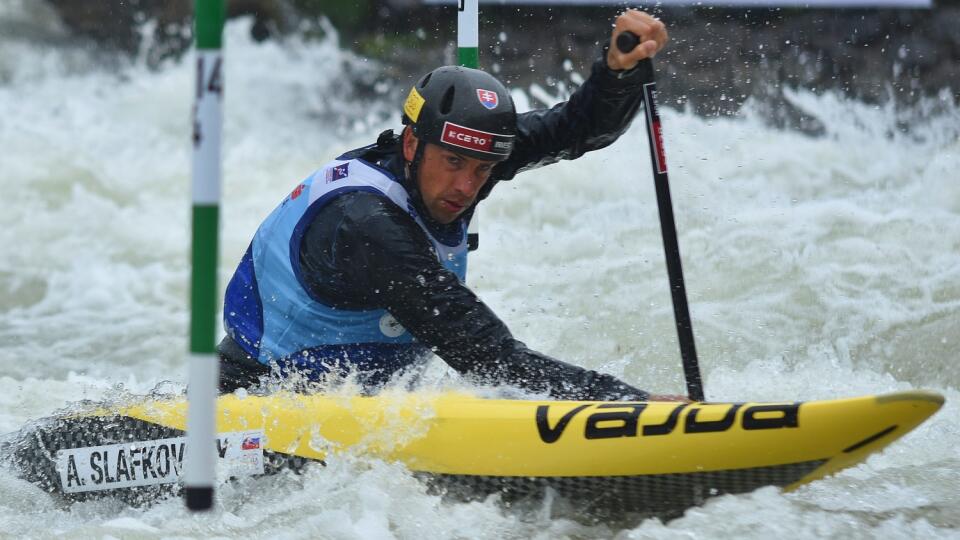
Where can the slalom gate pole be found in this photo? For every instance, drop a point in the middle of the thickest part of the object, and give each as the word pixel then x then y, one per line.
pixel 200 460
pixel 626 42
pixel 468 55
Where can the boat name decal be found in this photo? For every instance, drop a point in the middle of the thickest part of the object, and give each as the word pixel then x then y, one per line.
pixel 613 420
pixel 150 463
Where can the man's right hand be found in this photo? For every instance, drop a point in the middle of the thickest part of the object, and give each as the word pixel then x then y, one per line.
pixel 652 33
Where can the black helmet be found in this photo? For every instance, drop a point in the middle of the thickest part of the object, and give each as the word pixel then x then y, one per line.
pixel 464 110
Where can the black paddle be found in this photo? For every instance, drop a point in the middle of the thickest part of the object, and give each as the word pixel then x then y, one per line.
pixel 626 42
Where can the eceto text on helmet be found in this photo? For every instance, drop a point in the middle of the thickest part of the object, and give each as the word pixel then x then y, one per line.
pixel 476 140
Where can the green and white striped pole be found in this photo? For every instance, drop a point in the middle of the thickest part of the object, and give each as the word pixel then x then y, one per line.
pixel 200 461
pixel 468 33
pixel 468 53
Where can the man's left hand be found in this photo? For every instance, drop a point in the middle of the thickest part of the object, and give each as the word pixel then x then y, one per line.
pixel 652 33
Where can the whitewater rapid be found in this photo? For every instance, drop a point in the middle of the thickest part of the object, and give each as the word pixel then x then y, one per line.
pixel 816 268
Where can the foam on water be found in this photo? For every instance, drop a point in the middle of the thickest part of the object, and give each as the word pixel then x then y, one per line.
pixel 816 268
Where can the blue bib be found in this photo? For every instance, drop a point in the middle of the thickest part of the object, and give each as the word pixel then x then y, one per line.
pixel 269 311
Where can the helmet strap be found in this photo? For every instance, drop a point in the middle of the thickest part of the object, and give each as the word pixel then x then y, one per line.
pixel 412 183
pixel 413 166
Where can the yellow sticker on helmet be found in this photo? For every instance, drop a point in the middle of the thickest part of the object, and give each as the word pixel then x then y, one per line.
pixel 413 104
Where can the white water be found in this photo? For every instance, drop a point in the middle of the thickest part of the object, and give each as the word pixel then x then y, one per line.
pixel 816 268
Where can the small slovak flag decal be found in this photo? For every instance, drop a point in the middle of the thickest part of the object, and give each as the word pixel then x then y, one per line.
pixel 250 443
pixel 488 98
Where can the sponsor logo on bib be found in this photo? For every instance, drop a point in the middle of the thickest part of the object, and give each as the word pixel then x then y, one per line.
pixel 390 326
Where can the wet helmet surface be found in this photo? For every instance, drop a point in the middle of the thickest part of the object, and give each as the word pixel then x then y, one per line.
pixel 465 110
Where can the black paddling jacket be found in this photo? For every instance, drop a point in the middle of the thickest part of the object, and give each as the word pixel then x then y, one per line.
pixel 363 252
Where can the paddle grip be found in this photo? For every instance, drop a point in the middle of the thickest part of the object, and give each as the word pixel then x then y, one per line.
pixel 627 41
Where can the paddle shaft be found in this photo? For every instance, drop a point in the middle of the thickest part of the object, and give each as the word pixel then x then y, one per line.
pixel 626 42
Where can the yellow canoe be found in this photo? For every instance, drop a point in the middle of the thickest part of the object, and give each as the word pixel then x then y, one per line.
pixel 655 457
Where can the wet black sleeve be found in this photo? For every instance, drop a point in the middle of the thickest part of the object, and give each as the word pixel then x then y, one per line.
pixel 381 258
pixel 594 117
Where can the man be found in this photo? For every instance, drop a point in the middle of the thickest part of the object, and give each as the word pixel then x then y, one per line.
pixel 361 268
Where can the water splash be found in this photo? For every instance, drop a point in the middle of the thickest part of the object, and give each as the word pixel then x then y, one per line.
pixel 816 267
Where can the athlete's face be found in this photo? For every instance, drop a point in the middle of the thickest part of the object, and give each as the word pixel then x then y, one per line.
pixel 449 182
